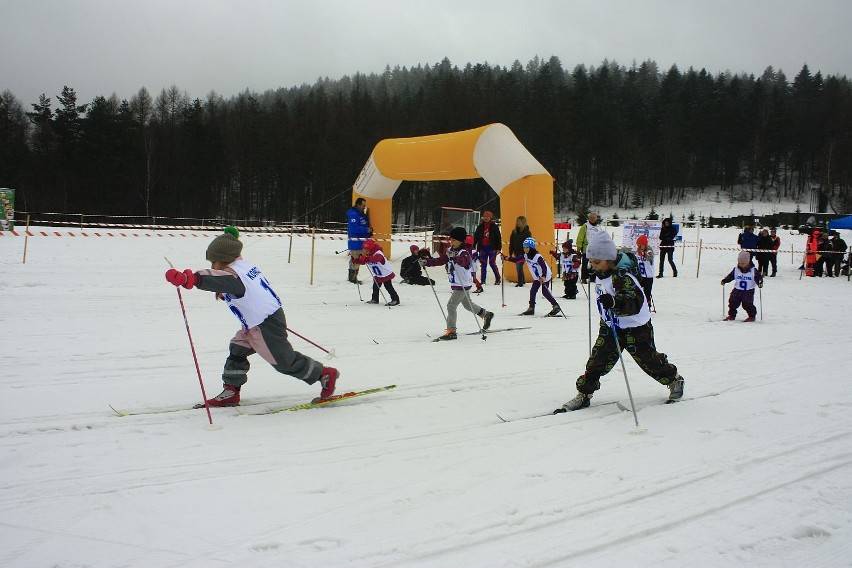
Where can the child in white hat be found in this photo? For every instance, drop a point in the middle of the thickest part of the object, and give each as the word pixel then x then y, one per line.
pixel 624 309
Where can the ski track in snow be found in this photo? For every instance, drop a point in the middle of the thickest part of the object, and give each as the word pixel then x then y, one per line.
pixel 425 475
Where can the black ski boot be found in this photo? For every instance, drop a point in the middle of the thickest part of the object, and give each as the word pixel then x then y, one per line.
pixel 530 311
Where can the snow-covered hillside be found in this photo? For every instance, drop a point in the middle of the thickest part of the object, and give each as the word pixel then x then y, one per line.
pixel 755 470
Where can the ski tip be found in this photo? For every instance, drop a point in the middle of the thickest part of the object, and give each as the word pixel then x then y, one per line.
pixel 119 412
pixel 501 418
pixel 559 410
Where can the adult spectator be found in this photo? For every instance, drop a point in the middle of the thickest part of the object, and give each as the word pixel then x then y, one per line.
pixel 486 238
pixel 516 246
pixel 776 244
pixel 838 245
pixel 764 244
pixel 358 229
pixel 589 229
pixel 668 233
pixel 748 240
pixel 825 263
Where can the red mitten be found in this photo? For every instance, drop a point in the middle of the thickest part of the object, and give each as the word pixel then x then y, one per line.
pixel 187 278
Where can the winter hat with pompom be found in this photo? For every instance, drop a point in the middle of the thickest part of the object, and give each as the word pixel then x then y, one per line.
pixel 642 240
pixel 226 247
pixel 601 247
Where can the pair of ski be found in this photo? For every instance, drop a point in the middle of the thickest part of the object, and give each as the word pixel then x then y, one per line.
pixel 313 404
pixel 617 403
pixel 487 332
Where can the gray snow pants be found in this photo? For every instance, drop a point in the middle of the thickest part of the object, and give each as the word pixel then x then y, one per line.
pixel 269 340
pixel 460 297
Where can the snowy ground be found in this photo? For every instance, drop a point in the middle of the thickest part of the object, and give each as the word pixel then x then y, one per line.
pixel 755 472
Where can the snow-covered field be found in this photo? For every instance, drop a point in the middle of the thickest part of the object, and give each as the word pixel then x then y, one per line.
pixel 756 471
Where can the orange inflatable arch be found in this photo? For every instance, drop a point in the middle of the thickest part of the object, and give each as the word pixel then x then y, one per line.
pixel 490 152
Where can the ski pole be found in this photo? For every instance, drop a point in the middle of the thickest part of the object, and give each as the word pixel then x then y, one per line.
pixel 760 295
pixel 589 304
pixel 446 322
pixel 192 348
pixel 613 325
pixel 502 281
pixel 330 353
pixel 723 301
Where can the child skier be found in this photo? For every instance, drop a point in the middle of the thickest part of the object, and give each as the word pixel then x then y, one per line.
pixel 474 265
pixel 258 308
pixel 458 262
pixel 570 263
pixel 380 270
pixel 646 266
pixel 747 277
pixel 622 304
pixel 541 274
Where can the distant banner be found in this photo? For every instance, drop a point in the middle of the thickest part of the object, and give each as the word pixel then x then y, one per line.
pixel 7 209
pixel 634 229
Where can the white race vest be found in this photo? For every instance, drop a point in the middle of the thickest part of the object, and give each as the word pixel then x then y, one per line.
pixel 260 300
pixel 605 287
pixel 591 231
pixel 567 262
pixel 744 280
pixel 535 268
pixel 380 270
pixel 646 267
pixel 457 275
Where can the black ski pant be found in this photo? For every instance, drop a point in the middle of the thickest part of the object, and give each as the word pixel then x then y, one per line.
pixel 639 342
pixel 667 251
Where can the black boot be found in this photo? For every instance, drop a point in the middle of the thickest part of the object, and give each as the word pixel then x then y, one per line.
pixel 530 311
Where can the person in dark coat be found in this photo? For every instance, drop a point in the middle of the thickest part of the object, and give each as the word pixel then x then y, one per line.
pixel 668 233
pixel 520 233
pixel 838 245
pixel 773 258
pixel 764 244
pixel 410 270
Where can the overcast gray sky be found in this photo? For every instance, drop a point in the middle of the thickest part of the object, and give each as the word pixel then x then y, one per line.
pixel 100 47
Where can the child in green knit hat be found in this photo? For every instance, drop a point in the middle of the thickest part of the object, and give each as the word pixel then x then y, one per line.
pixel 257 306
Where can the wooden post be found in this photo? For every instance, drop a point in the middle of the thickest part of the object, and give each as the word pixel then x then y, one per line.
pixel 698 268
pixel 313 247
pixel 26 238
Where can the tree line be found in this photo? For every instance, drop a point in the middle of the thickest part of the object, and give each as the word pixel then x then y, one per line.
pixel 610 136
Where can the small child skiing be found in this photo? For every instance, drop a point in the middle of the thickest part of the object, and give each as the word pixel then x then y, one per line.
pixel 621 303
pixel 570 264
pixel 474 266
pixel 646 267
pixel 458 262
pixel 258 308
pixel 541 274
pixel 747 277
pixel 380 270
